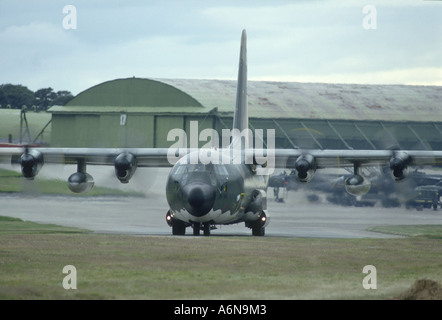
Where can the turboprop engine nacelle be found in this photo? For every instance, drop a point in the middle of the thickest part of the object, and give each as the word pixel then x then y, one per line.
pixel 305 167
pixel 125 166
pixel 399 163
pixel 31 162
pixel 80 182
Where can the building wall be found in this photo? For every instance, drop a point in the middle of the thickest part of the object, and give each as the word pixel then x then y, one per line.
pixel 150 130
pixel 102 130
pixel 131 131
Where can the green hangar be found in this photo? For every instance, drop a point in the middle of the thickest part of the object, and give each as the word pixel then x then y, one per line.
pixel 135 112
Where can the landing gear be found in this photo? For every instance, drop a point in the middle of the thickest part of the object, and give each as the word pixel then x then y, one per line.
pixel 198 226
pixel 206 229
pixel 196 229
pixel 258 230
pixel 258 226
pixel 178 226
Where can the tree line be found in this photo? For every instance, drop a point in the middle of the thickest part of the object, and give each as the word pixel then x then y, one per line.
pixel 16 96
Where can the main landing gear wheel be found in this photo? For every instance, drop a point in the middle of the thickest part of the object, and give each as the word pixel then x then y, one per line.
pixel 258 226
pixel 258 230
pixel 178 228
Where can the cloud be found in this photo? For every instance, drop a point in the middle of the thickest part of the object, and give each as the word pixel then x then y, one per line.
pixel 27 49
pixel 311 40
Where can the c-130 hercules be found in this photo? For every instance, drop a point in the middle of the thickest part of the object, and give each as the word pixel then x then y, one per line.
pixel 202 193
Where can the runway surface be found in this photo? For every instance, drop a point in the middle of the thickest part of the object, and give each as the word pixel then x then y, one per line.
pixel 146 215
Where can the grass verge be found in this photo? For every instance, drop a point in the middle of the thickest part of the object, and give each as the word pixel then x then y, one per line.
pixel 428 231
pixel 9 225
pixel 32 258
pixel 13 182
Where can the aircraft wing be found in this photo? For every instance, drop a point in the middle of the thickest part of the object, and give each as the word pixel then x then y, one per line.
pixel 305 162
pixel 145 157
pixel 125 161
pixel 278 158
pixel 286 158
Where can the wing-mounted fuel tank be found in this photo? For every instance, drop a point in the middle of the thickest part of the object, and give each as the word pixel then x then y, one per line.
pixel 125 166
pixel 80 181
pixel 357 185
pixel 305 166
pixel 399 163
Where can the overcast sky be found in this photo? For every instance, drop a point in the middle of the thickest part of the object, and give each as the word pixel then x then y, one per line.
pixel 391 42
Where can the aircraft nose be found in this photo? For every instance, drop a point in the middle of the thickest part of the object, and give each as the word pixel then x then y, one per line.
pixel 199 198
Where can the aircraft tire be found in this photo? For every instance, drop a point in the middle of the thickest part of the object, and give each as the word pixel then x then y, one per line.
pixel 178 228
pixel 196 229
pixel 206 229
pixel 258 230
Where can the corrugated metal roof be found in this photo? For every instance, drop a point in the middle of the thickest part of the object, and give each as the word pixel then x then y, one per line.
pixel 133 92
pixel 128 109
pixel 319 100
pixel 266 99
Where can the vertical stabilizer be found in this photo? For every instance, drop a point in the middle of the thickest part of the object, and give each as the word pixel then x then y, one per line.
pixel 240 117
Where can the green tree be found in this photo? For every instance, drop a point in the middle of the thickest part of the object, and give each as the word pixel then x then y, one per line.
pixel 44 98
pixel 16 95
pixel 3 100
pixel 63 97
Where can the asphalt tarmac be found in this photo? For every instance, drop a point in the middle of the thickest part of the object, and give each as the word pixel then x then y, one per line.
pixel 296 217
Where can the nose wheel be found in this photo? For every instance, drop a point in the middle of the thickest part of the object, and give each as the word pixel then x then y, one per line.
pixel 179 227
pixel 198 226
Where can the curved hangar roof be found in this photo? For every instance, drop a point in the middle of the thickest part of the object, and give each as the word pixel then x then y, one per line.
pixel 266 99
pixel 130 95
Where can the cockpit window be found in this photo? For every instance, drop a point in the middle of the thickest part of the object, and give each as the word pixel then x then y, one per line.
pixel 179 169
pixel 196 167
pixel 219 169
pixel 200 167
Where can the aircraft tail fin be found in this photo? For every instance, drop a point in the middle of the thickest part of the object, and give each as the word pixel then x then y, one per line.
pixel 240 117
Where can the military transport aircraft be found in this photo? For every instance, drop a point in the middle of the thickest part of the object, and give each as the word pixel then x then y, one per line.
pixel 229 188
